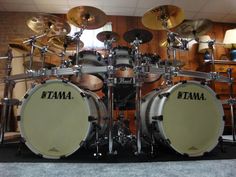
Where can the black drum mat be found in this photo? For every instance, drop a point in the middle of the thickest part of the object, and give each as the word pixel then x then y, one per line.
pixel 12 153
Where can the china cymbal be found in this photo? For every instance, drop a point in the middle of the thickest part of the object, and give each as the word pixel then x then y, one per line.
pixel 140 34
pixel 47 23
pixel 163 17
pixel 107 35
pixel 194 28
pixel 87 17
pixel 61 41
pixel 36 65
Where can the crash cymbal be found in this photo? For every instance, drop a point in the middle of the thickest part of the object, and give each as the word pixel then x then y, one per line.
pixel 62 40
pixel 87 17
pixel 107 35
pixel 140 34
pixel 163 17
pixel 174 63
pixel 194 28
pixel 36 65
pixel 47 23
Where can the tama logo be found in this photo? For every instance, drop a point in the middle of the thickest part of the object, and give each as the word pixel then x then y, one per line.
pixel 191 96
pixel 57 95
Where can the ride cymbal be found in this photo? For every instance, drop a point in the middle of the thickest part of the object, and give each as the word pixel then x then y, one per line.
pixel 194 28
pixel 141 34
pixel 47 23
pixel 107 35
pixel 163 17
pixel 86 17
pixel 67 42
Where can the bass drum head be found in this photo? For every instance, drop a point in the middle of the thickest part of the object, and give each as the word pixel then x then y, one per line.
pixel 54 119
pixel 192 118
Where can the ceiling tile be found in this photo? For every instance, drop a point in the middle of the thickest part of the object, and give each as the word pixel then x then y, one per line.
pixel 118 3
pixel 51 8
pixel 93 3
pixel 189 5
pixel 190 14
pixel 56 2
pixel 219 6
pixel 140 11
pixel 119 10
pixel 152 3
pixel 229 18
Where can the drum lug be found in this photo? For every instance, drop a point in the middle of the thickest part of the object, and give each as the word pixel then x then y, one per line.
pixel 167 94
pixel 62 157
pixel 183 82
pixel 83 94
pixel 91 118
pixel 203 83
pixel 18 118
pixel 26 96
pixel 218 96
pixel 160 118
pixel 167 141
pixel 224 118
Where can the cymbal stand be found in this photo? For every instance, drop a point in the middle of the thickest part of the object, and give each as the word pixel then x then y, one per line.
pixel 32 41
pixel 7 100
pixel 231 102
pixel 110 85
pixel 138 83
pixel 77 36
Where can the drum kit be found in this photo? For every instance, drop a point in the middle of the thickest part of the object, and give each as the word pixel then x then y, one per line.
pixel 60 115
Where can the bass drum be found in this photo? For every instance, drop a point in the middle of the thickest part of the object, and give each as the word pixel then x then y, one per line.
pixel 57 117
pixel 188 117
pixel 93 82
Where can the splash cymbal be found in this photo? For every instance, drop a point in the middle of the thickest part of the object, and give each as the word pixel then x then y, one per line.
pixel 107 35
pixel 140 34
pixel 163 17
pixel 194 28
pixel 61 41
pixel 47 23
pixel 87 17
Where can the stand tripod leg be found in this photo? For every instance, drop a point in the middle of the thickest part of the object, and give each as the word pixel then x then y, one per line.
pixel 110 112
pixel 138 117
pixel 3 120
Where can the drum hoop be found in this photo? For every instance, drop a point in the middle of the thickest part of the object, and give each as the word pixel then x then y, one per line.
pixel 25 100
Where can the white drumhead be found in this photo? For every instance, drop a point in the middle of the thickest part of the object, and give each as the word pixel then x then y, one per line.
pixel 192 118
pixel 54 119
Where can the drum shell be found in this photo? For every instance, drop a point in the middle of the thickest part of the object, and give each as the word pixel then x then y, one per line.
pixel 93 82
pixel 156 121
pixel 123 62
pixel 95 111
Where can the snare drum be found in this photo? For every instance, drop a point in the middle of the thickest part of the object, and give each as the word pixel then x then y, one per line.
pixel 57 117
pixel 93 82
pixel 123 62
pixel 187 117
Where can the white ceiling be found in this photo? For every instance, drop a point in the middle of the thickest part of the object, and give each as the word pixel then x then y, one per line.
pixel 215 10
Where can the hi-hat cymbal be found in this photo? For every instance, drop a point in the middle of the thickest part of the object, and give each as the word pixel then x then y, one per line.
pixel 194 28
pixel 62 41
pixel 107 35
pixel 163 17
pixel 47 23
pixel 87 17
pixel 140 34
pixel 36 65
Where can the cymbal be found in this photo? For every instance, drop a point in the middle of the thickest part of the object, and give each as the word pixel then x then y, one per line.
pixel 107 35
pixel 36 65
pixel 62 40
pixel 194 28
pixel 47 23
pixel 176 63
pixel 163 17
pixel 137 33
pixel 87 17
